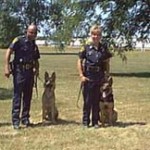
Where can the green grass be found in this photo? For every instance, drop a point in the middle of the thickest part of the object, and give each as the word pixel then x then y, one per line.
pixel 132 100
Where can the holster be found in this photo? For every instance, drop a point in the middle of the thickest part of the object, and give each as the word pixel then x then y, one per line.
pixel 11 66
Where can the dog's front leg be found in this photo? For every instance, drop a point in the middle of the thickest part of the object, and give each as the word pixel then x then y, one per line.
pixel 110 116
pixel 103 117
pixel 53 115
pixel 43 115
pixel 102 113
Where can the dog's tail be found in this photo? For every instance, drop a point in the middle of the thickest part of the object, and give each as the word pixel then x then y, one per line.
pixel 81 86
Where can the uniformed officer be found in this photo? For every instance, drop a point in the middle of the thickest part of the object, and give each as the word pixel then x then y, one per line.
pixel 23 68
pixel 92 64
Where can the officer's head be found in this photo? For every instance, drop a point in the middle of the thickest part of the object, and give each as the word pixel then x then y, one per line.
pixel 95 33
pixel 32 32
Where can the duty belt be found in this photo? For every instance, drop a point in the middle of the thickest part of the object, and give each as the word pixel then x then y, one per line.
pixel 24 66
pixel 93 68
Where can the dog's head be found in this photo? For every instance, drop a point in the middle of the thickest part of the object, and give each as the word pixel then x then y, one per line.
pixel 106 88
pixel 49 80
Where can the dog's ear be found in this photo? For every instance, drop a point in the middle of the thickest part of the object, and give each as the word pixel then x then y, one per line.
pixel 46 75
pixel 53 76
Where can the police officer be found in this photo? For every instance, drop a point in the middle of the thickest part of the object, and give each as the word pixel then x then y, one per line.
pixel 23 68
pixel 92 64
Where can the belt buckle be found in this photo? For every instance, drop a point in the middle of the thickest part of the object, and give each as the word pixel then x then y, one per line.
pixel 23 67
pixel 94 68
pixel 27 66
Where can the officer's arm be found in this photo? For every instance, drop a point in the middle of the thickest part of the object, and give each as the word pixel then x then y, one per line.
pixel 80 67
pixel 107 66
pixel 7 60
pixel 36 67
pixel 81 70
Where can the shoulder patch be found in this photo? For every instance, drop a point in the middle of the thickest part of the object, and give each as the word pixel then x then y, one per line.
pixel 15 40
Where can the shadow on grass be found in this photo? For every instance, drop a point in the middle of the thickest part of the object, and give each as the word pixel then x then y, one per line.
pixel 66 122
pixel 132 74
pixel 59 122
pixel 126 124
pixel 5 94
pixel 41 124
pixel 64 53
pixel 5 124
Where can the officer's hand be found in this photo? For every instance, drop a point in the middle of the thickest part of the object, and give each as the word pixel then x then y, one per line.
pixel 84 79
pixel 7 72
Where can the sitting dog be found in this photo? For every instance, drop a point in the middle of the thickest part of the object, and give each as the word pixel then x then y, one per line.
pixel 107 112
pixel 49 109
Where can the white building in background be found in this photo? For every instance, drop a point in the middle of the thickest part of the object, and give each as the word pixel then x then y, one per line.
pixel 40 42
pixel 138 45
pixel 141 45
pixel 46 43
pixel 76 42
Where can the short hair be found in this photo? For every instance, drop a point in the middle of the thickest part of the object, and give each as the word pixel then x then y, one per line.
pixel 95 28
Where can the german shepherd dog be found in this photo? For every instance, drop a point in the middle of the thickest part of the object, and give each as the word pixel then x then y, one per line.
pixel 49 109
pixel 107 112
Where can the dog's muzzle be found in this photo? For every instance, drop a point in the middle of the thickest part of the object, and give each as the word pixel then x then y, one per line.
pixel 104 94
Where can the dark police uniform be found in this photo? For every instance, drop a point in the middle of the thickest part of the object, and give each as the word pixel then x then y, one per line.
pixel 93 69
pixel 25 54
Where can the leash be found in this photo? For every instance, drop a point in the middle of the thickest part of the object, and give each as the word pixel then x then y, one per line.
pixel 40 79
pixel 35 83
pixel 81 86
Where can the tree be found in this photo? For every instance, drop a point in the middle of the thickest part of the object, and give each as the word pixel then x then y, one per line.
pixel 9 27
pixel 58 18
pixel 65 19
pixel 61 19
pixel 63 22
pixel 16 15
pixel 126 19
pixel 122 21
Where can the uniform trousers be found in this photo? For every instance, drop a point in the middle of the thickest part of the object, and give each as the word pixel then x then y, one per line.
pixel 23 85
pixel 91 97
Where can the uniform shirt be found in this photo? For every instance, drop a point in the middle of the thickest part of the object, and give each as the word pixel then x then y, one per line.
pixel 25 51
pixel 94 58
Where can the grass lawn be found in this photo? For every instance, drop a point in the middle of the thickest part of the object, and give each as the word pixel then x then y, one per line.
pixel 132 100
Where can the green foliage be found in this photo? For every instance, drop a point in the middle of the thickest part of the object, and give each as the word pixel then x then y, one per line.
pixel 9 28
pixel 127 16
pixel 58 19
pixel 62 19
pixel 122 22
pixel 32 11
pixel 65 18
